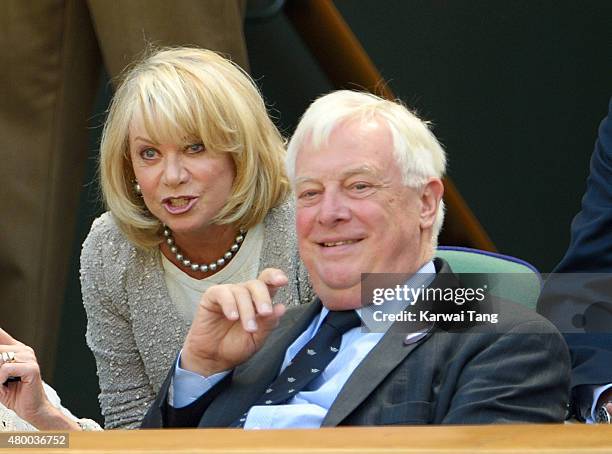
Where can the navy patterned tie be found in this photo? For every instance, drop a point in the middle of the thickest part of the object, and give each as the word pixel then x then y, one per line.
pixel 309 362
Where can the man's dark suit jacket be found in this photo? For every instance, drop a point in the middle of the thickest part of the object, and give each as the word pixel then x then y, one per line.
pixel 516 371
pixel 587 301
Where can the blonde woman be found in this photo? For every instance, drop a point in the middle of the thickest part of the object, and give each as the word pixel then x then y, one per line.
pixel 191 169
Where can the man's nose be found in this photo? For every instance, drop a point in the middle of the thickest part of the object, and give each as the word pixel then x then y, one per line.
pixel 175 172
pixel 334 208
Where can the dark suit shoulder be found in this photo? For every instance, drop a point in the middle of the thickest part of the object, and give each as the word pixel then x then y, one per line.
pixel 518 318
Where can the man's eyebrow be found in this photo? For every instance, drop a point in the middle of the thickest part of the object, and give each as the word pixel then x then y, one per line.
pixel 361 170
pixel 301 180
pixel 364 169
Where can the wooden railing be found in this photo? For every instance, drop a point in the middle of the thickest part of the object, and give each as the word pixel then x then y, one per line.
pixel 431 439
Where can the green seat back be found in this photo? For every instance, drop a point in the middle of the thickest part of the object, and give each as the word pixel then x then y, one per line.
pixel 506 277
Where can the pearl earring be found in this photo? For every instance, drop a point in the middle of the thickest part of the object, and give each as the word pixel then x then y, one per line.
pixel 137 189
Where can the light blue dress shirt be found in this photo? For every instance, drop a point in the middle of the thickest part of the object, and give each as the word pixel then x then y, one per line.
pixel 308 408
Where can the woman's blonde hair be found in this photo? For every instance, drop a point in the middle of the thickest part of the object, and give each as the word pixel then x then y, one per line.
pixel 197 94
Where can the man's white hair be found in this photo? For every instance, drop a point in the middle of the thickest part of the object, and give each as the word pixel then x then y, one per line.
pixel 417 151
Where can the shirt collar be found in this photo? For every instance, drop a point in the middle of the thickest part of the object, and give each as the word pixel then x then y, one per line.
pixel 423 277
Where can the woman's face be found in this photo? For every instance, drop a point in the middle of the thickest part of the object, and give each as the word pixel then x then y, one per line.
pixel 183 184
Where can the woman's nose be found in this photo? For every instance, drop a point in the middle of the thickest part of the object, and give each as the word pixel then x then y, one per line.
pixel 175 172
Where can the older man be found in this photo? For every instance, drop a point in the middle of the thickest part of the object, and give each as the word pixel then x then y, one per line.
pixel 367 178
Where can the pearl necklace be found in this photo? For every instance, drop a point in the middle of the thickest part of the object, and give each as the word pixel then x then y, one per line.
pixel 213 266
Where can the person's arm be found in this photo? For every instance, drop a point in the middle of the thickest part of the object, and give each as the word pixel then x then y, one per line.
pixel 125 390
pixel 84 423
pixel 520 376
pixel 590 248
pixel 585 298
pixel 187 387
pixel 26 396
pixel 183 398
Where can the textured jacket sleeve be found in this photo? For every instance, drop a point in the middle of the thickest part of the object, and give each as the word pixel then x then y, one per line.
pixel 280 250
pixel 125 392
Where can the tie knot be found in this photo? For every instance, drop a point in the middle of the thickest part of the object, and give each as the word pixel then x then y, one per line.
pixel 343 320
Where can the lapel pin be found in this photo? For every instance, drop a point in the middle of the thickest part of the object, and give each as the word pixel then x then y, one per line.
pixel 413 338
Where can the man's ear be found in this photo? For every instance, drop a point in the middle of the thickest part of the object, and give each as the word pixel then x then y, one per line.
pixel 431 196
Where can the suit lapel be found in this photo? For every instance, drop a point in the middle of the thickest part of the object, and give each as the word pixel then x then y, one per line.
pixel 391 351
pixel 250 380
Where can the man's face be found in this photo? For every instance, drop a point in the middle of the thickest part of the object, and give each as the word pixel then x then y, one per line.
pixel 354 214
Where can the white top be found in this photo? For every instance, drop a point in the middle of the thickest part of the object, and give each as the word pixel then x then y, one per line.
pixel 186 291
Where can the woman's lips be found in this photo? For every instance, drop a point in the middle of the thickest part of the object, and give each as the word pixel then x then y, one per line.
pixel 179 205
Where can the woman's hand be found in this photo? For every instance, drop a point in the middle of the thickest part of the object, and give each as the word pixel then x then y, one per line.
pixel 27 397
